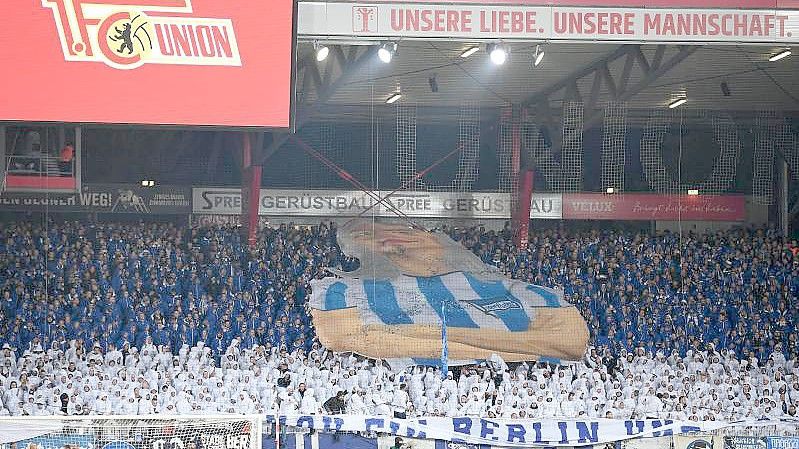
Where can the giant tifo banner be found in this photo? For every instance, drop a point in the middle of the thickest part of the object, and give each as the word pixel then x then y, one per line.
pixel 104 198
pixel 156 62
pixel 419 297
pixel 687 21
pixel 508 432
pixel 474 205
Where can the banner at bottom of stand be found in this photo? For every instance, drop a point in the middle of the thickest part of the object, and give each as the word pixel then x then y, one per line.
pixel 511 432
pixel 322 440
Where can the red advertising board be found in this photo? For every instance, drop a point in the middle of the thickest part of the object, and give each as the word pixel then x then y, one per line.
pixel 732 4
pixel 598 206
pixel 155 62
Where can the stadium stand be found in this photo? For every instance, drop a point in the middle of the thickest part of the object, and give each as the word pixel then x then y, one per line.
pixel 157 318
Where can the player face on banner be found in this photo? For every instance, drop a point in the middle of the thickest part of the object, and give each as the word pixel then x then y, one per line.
pixel 413 252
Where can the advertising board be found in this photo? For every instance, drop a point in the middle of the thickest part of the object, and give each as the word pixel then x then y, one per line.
pixel 479 205
pixel 154 62
pixel 105 198
pixel 621 21
pixel 636 207
pixel 324 203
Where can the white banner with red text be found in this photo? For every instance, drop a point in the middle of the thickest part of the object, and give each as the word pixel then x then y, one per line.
pixel 568 23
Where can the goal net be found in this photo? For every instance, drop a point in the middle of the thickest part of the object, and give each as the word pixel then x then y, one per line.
pixel 185 432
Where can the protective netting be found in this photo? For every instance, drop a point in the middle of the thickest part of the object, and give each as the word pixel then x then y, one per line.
pixel 662 179
pixel 614 146
pixel 766 131
pixel 469 143
pixel 789 145
pixel 572 148
pixel 359 136
pixel 505 175
pixel 723 175
pixel 541 155
pixel 468 149
pixel 320 137
pixel 564 175
pixel 405 159
pixel 651 142
pixel 234 432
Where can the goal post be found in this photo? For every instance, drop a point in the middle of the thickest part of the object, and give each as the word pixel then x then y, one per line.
pixel 132 432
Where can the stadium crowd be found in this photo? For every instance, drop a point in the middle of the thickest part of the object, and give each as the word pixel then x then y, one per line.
pixel 156 318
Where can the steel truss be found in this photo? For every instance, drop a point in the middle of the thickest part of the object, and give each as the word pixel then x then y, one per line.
pixel 325 78
pixel 615 87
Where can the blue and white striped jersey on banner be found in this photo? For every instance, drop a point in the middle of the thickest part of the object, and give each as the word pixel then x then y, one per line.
pixel 471 302
pixel 450 319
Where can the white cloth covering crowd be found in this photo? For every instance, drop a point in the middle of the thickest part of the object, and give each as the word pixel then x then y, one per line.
pixel 703 385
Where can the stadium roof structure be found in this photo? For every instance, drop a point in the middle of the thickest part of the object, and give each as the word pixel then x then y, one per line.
pixel 734 78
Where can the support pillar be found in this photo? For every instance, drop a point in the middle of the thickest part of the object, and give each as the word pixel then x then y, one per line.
pixel 250 189
pixel 523 183
pixel 78 161
pixel 516 147
pixel 521 225
pixel 253 180
pixel 784 191
pixel 62 138
pixel 3 157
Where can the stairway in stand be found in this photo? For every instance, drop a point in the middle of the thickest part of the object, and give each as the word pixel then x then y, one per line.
pixel 50 166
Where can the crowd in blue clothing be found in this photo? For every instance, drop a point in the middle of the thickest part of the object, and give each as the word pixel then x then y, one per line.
pixel 734 290
pixel 115 283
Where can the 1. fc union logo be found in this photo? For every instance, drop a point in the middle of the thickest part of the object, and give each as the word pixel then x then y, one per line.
pixel 125 34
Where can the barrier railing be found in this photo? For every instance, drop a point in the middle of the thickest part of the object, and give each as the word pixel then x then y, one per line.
pixel 132 432
pixel 39 165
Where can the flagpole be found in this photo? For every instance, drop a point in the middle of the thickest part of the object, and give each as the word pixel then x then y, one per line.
pixel 444 344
